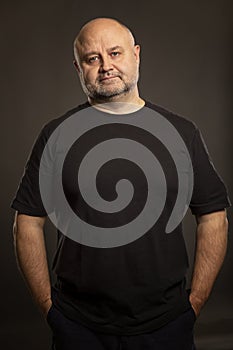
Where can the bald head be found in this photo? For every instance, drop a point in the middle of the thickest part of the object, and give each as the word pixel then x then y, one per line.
pixel 101 26
pixel 107 61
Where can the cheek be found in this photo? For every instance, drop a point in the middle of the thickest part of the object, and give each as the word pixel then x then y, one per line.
pixel 87 75
pixel 129 68
pixel 90 75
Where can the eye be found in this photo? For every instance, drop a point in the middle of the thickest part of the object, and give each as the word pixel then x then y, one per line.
pixel 115 53
pixel 93 59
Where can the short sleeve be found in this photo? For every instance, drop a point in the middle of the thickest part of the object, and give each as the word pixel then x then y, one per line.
pixel 28 199
pixel 209 191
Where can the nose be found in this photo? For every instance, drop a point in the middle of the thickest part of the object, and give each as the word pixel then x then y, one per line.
pixel 106 63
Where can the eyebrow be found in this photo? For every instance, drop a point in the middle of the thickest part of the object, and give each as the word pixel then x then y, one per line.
pixel 90 53
pixel 115 48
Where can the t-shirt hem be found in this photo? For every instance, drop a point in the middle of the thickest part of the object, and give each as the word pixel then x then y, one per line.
pixel 147 327
pixel 27 211
pixel 207 209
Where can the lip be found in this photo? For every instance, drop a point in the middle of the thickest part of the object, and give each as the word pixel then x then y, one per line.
pixel 108 78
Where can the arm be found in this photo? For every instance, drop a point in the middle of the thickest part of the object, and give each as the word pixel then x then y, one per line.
pixel 211 247
pixel 31 257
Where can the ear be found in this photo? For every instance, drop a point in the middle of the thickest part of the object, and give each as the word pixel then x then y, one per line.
pixel 137 52
pixel 75 63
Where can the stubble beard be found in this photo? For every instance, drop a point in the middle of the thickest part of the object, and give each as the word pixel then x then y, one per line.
pixel 99 92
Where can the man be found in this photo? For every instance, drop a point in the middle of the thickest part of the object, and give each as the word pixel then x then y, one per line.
pixel 128 295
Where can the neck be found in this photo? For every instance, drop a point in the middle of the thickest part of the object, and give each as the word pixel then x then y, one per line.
pixel 118 107
pixel 119 104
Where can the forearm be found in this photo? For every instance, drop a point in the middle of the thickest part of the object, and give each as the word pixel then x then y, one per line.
pixel 32 260
pixel 210 252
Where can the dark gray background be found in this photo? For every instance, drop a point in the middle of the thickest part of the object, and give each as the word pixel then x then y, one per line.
pixel 186 66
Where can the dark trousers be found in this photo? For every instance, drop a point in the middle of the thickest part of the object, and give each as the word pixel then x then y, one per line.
pixel 69 335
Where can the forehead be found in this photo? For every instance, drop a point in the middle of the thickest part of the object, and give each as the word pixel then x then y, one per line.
pixel 98 39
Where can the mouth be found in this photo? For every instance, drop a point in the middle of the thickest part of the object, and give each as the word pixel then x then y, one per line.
pixel 108 78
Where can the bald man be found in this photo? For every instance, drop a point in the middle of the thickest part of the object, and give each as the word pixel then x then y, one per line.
pixel 129 295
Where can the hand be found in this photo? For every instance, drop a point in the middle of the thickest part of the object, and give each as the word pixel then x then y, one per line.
pixel 45 307
pixel 196 303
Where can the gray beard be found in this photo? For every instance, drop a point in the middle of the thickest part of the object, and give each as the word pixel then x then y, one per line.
pixel 101 94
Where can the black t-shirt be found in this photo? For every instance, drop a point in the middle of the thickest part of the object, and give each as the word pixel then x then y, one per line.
pixel 139 285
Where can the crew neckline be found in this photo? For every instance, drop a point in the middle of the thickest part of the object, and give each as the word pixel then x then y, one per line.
pixel 117 114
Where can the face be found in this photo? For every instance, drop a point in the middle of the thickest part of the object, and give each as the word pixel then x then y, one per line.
pixel 108 63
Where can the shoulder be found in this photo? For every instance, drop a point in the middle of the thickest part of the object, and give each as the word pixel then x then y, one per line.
pixel 186 127
pixel 49 127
